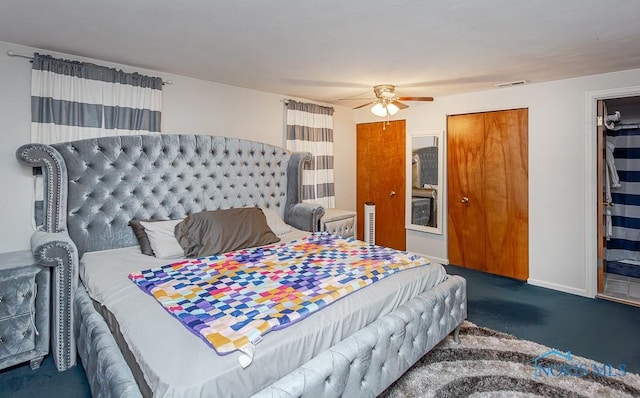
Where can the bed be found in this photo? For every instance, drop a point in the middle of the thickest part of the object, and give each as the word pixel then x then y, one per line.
pixel 129 345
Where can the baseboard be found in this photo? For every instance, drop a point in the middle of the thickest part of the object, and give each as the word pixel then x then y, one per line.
pixel 443 261
pixel 555 286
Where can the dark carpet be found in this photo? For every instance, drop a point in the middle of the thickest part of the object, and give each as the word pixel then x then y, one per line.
pixel 22 382
pixel 604 331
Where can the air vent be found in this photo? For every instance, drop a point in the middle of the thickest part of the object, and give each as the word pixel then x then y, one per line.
pixel 370 223
pixel 511 84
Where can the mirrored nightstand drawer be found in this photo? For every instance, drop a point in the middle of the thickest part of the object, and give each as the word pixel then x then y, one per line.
pixel 17 295
pixel 24 309
pixel 17 335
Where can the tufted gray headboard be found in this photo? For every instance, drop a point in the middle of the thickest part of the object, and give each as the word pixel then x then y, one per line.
pixel 94 187
pixel 427 166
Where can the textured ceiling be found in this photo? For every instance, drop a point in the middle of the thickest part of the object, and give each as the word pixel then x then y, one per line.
pixel 330 49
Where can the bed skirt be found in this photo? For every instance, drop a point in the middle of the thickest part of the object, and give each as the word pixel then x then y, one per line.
pixel 364 364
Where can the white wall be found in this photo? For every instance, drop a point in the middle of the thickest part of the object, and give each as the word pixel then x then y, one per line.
pixel 558 175
pixel 190 106
pixel 558 137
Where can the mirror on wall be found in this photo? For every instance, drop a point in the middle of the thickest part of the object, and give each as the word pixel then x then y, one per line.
pixel 424 173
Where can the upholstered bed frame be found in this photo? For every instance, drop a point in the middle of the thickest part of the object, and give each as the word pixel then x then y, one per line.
pixel 94 187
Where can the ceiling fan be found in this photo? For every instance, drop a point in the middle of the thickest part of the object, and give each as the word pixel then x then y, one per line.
pixel 387 102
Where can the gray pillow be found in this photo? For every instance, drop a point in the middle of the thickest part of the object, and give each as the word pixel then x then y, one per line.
pixel 141 236
pixel 219 231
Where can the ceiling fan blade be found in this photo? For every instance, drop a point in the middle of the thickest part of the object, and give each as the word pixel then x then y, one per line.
pixel 415 98
pixel 363 105
pixel 400 104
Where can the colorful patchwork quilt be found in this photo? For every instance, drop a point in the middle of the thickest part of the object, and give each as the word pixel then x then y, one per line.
pixel 231 300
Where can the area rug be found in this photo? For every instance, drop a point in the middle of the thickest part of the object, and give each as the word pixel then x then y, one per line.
pixel 487 363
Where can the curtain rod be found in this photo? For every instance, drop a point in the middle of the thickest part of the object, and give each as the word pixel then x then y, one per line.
pixel 12 53
pixel 286 101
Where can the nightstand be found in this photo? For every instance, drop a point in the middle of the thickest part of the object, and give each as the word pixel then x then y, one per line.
pixel 339 222
pixel 24 310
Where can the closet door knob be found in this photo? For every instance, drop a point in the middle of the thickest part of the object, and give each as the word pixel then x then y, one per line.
pixel 392 193
pixel 465 200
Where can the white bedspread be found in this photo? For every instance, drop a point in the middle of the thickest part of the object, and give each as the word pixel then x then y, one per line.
pixel 176 363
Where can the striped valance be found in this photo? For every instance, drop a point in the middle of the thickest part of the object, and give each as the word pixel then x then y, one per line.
pixel 74 100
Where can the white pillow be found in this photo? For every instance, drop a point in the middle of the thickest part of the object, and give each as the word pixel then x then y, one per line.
pixel 275 223
pixel 162 238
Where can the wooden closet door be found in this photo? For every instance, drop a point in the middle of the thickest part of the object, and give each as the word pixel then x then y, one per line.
pixel 380 175
pixel 506 193
pixel 487 179
pixel 465 193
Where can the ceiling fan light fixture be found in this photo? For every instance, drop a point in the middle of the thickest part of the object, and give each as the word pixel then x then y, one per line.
pixel 379 110
pixel 392 109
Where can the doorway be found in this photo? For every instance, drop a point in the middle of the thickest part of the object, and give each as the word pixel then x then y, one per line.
pixel 618 203
pixel 381 179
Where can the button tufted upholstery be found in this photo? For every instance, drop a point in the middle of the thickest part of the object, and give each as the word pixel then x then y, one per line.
pixel 107 371
pixel 339 222
pixel 367 362
pixel 426 166
pixel 24 310
pixel 17 333
pixel 115 179
pixel 94 187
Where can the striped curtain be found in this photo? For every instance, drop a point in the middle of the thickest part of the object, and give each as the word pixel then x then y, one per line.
pixel 73 100
pixel 310 129
pixel 624 242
